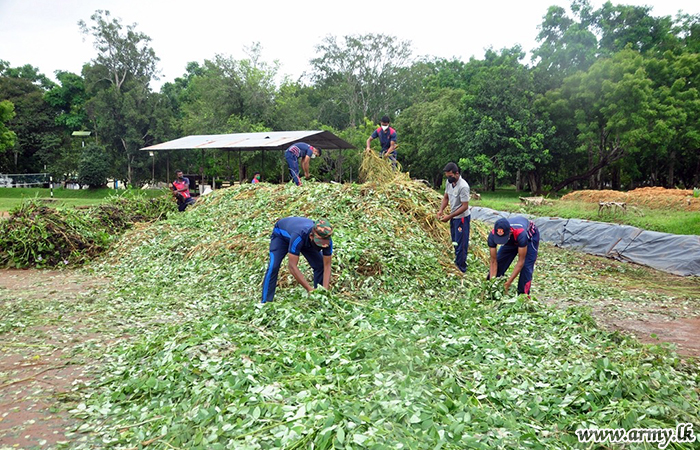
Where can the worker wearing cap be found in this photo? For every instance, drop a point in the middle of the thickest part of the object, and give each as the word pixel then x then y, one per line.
pixel 296 236
pixel 516 236
pixel 300 152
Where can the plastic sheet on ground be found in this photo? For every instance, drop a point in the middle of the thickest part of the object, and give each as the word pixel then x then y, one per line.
pixel 672 253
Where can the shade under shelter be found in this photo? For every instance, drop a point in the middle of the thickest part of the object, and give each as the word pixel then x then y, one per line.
pixel 260 141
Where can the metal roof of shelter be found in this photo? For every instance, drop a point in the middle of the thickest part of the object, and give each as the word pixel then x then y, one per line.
pixel 268 140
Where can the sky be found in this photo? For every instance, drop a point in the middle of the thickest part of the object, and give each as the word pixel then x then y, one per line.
pixel 45 34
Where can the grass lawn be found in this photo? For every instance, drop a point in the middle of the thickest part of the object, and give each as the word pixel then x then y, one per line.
pixel 13 197
pixel 664 220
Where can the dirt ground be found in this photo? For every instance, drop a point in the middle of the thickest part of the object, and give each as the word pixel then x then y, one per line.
pixel 651 197
pixel 41 367
pixel 38 368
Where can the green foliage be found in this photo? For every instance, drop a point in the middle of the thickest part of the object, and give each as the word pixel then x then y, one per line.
pixel 7 136
pixel 396 355
pixel 94 167
pixel 36 235
pixel 229 90
pixel 33 124
pixel 361 76
pixel 430 134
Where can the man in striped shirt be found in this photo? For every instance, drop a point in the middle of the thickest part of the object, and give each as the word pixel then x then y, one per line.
pixel 300 152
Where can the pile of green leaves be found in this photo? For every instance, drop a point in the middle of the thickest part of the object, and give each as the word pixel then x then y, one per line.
pixel 402 352
pixel 36 235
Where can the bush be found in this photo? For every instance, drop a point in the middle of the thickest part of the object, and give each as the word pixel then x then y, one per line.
pixel 93 169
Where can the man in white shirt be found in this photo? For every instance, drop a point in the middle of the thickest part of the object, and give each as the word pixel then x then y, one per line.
pixel 457 196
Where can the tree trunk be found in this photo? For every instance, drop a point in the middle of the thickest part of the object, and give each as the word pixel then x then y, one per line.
pixel 591 164
pixel 534 180
pixel 615 154
pixel 616 175
pixel 696 177
pixel 518 181
pixel 671 167
pixel 493 181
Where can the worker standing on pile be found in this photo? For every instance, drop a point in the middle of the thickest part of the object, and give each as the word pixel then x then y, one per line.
pixel 181 191
pixel 294 236
pixel 300 152
pixel 457 196
pixel 387 138
pixel 516 236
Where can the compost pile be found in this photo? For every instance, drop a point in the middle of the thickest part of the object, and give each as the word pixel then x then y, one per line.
pixel 650 197
pixel 36 235
pixel 402 352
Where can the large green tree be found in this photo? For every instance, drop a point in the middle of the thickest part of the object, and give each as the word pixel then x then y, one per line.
pixel 121 105
pixel 37 135
pixel 227 91
pixel 500 122
pixel 361 76
pixel 606 111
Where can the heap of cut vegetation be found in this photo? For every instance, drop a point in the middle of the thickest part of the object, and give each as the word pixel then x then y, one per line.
pixel 402 352
pixel 36 235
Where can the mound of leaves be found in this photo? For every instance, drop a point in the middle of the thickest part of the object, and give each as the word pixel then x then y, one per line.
pixel 402 352
pixel 36 235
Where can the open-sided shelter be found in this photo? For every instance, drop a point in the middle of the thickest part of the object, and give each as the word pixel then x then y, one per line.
pixel 262 142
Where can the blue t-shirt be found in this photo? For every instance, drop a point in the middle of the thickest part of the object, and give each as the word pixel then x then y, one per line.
pixel 300 149
pixel 297 231
pixel 385 137
pixel 518 233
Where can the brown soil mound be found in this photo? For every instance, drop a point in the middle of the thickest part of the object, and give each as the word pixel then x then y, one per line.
pixel 651 197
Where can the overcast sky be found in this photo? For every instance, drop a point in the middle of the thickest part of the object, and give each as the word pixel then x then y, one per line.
pixel 45 34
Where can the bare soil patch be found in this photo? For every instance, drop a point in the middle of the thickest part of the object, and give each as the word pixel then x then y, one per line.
pixel 650 197
pixel 38 370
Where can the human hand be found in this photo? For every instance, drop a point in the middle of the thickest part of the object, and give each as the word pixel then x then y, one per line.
pixel 445 218
pixel 506 286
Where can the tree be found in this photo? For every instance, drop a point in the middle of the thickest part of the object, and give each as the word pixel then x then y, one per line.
pixel 7 136
pixel 227 87
pixel 69 97
pixel 121 104
pixel 607 111
pixel 94 166
pixel 500 122
pixel 431 132
pixel 567 45
pixel 363 75
pixel 37 136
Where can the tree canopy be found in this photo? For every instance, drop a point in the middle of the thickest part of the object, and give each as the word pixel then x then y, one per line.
pixel 609 98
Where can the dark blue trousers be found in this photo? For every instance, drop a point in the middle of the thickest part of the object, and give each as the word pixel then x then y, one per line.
pixel 278 250
pixel 459 229
pixel 293 163
pixel 508 252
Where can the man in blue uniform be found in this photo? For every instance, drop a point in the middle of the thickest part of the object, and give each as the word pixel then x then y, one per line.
pixel 300 152
pixel 294 236
pixel 516 236
pixel 387 138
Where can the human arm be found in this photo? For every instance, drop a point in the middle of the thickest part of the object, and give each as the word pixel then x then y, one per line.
pixel 305 165
pixel 443 205
pixel 369 141
pixel 293 266
pixel 522 253
pixel 493 263
pixel 460 210
pixel 390 150
pixel 326 271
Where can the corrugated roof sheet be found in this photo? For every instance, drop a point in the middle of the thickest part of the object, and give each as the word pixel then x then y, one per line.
pixel 271 140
